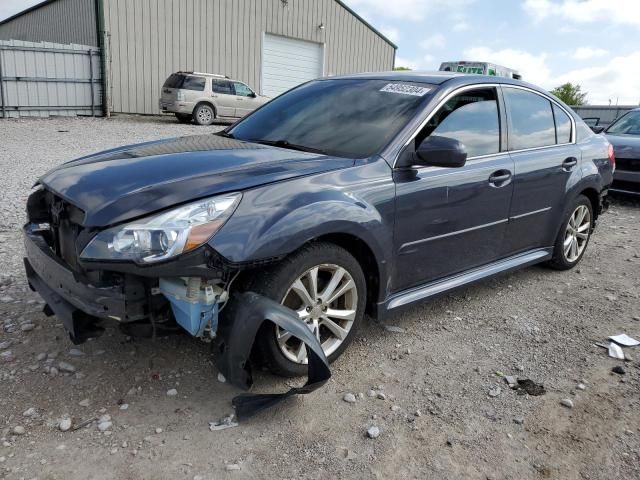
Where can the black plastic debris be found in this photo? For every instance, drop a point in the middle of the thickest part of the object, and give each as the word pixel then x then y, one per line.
pixel 236 335
pixel 529 387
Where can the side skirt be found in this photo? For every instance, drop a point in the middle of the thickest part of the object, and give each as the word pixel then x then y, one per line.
pixel 425 292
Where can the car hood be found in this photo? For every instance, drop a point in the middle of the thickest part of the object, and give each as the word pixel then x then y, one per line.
pixel 136 180
pixel 625 146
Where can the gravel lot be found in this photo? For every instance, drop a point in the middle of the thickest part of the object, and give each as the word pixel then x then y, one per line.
pixel 430 387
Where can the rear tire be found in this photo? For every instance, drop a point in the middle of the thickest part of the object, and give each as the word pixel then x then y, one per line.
pixel 574 235
pixel 329 262
pixel 204 114
pixel 184 117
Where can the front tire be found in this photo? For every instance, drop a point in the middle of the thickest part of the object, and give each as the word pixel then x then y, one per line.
pixel 204 114
pixel 574 235
pixel 326 286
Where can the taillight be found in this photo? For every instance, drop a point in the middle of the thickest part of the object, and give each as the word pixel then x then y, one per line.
pixel 612 158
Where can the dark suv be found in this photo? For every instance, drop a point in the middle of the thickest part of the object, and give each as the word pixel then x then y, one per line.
pixel 364 193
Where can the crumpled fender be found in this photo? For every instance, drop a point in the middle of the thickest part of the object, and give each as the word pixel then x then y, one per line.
pixel 236 334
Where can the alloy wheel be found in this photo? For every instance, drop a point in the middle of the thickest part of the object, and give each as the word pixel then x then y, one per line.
pixel 326 299
pixel 577 233
pixel 205 115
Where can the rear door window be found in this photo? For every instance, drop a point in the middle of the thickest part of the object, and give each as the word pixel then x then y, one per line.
pixel 563 125
pixel 531 122
pixel 472 118
pixel 223 87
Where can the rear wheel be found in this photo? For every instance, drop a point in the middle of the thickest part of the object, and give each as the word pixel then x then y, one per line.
pixel 325 285
pixel 574 235
pixel 184 117
pixel 204 114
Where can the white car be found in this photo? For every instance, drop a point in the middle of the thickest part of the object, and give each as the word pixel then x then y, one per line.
pixel 205 97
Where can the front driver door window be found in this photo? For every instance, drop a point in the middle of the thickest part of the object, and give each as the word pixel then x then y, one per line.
pixel 451 219
pixel 245 99
pixel 224 97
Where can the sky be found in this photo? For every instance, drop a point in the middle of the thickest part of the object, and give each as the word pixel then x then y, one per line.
pixel 594 43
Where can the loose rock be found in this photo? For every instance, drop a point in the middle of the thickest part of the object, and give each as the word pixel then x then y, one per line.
pixel 349 398
pixel 619 370
pixel 373 432
pixel 232 467
pixel 19 430
pixel 566 402
pixel 172 392
pixel 84 403
pixel 29 412
pixel 495 391
pixel 65 424
pixel 66 367
pixel 104 426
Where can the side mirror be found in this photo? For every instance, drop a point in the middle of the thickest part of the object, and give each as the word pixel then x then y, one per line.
pixel 597 129
pixel 441 152
pixel 252 95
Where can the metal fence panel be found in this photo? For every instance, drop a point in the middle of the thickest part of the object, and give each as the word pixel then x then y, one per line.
pixel 45 79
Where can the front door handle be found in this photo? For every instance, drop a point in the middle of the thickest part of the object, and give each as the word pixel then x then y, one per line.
pixel 500 178
pixel 569 163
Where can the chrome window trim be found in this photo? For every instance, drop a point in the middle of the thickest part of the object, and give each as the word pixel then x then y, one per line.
pixel 490 85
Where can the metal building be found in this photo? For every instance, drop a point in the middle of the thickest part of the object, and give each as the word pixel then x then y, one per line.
pixel 270 44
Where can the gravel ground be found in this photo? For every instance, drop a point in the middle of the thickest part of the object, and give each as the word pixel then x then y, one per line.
pixel 432 387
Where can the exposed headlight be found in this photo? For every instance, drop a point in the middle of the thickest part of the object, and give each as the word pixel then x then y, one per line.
pixel 164 235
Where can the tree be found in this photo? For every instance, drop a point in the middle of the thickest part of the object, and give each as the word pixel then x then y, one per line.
pixel 401 69
pixel 570 94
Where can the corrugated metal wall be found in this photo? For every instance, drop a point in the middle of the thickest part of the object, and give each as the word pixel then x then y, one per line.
pixel 61 21
pixel 150 39
pixel 43 79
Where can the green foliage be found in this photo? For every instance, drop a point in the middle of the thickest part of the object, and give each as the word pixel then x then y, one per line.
pixel 570 94
pixel 401 69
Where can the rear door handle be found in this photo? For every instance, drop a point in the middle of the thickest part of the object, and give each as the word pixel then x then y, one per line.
pixel 500 178
pixel 569 163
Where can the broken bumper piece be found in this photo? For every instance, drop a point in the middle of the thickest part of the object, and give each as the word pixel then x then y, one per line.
pixel 232 348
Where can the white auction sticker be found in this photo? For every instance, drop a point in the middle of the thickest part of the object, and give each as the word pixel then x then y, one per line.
pixel 405 89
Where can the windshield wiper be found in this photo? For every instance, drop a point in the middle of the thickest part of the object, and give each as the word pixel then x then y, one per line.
pixel 287 144
pixel 226 134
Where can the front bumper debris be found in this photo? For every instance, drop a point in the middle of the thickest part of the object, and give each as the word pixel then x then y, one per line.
pixel 236 334
pixel 77 304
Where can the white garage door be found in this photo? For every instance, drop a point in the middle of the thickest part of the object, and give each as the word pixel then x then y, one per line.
pixel 287 62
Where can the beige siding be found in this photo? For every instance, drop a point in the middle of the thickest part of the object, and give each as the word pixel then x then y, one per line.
pixel 62 21
pixel 151 39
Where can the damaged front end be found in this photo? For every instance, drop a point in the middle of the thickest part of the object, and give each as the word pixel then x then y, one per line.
pixel 187 290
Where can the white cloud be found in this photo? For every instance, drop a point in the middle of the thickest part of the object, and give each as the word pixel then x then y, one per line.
pixel 585 53
pixel 412 10
pixel 461 26
pixel 408 63
pixel 391 33
pixel 11 7
pixel 615 80
pixel 533 68
pixel 586 11
pixel 434 41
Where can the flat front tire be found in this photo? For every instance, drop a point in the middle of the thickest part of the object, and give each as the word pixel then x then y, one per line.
pixel 574 235
pixel 325 285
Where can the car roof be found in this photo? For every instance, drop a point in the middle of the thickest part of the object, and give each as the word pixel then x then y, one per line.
pixel 438 78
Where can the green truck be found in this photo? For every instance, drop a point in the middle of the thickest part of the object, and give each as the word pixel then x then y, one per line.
pixel 480 68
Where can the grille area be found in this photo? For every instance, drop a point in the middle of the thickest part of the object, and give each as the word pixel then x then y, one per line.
pixel 63 221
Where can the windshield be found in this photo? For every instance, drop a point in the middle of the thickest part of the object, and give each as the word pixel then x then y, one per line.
pixel 628 124
pixel 352 118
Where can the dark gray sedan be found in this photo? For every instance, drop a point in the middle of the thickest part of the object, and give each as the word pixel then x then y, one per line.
pixel 624 135
pixel 364 193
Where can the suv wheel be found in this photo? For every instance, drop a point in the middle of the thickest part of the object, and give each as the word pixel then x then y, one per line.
pixel 204 114
pixel 574 235
pixel 326 286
